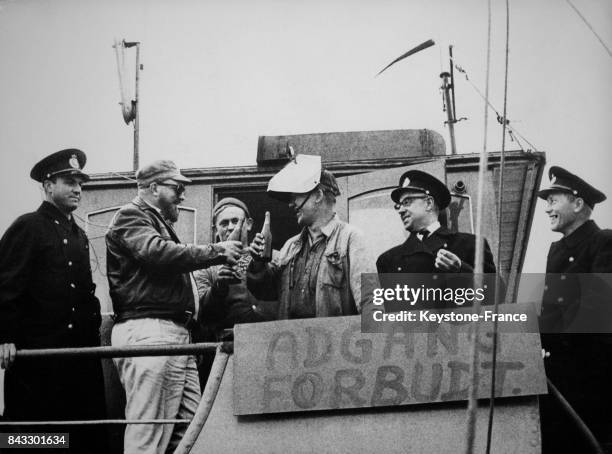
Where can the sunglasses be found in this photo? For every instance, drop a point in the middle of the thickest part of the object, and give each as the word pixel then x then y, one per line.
pixel 178 188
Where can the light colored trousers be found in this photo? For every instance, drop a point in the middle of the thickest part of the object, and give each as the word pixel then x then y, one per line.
pixel 156 387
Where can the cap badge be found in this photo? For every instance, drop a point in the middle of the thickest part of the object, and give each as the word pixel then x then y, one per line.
pixel 74 162
pixel 406 182
pixel 553 180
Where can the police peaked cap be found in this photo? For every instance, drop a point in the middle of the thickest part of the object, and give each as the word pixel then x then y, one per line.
pixel 64 162
pixel 563 181
pixel 424 183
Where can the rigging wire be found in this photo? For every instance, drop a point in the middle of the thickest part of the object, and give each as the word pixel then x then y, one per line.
pixel 512 131
pixel 479 255
pixel 500 205
pixel 590 27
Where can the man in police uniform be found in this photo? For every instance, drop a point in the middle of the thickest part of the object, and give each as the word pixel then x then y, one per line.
pixel 578 365
pixel 47 301
pixel 430 248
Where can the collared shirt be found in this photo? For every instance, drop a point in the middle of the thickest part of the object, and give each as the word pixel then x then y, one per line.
pixel 431 228
pixel 303 285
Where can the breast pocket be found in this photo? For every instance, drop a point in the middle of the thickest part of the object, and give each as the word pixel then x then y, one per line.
pixel 335 275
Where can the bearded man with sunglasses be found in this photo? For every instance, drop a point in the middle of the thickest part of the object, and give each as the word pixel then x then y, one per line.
pixel 317 272
pixel 155 301
pixel 430 248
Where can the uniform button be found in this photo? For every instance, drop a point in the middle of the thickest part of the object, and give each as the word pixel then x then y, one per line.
pixel 434 277
pixel 399 268
pixel 545 287
pixel 72 285
pixel 254 307
pixel 445 245
pixel 56 221
pixel 73 309
pixel 571 259
pixel 69 263
pixel 563 277
pixel 560 299
pixel 65 241
pixel 69 325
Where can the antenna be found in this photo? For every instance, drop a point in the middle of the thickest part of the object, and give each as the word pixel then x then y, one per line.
pixel 448 89
pixel 129 108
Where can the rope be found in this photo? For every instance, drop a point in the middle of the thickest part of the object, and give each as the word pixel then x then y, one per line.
pixel 577 419
pixel 590 27
pixel 94 422
pixel 499 239
pixel 206 403
pixel 479 257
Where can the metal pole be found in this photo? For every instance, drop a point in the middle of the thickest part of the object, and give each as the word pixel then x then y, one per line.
pixel 452 80
pixel 136 110
pixel 449 110
pixel 122 352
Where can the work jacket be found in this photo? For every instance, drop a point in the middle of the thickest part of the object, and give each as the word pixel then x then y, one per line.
pixel 338 288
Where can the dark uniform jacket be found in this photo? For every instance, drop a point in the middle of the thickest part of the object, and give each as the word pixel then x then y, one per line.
pixel 573 298
pixel 47 301
pixel 46 290
pixel 416 256
pixel 148 268
pixel 579 365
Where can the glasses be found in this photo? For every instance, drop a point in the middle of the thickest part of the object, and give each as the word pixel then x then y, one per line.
pixel 178 188
pixel 298 208
pixel 408 201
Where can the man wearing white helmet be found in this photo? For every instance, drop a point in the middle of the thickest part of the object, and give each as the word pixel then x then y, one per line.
pixel 318 272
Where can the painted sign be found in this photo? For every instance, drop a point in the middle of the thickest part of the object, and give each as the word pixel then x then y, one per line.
pixel 328 363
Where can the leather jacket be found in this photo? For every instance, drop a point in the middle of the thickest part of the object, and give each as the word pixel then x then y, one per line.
pixel 148 268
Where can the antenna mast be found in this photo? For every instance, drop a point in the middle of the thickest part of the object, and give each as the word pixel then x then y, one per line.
pixel 130 108
pixel 448 89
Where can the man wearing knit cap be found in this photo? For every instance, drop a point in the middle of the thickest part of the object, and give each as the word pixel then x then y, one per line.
pixel 575 301
pixel 317 272
pixel 47 301
pixel 224 297
pixel 430 248
pixel 155 302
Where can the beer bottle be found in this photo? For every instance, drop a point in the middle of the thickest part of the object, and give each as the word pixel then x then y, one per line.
pixel 240 267
pixel 236 234
pixel 266 255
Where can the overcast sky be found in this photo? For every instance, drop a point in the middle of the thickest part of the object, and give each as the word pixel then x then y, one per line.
pixel 218 74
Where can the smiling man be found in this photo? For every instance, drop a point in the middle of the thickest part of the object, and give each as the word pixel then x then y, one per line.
pixel 430 248
pixel 317 272
pixel 155 302
pixel 47 301
pixel 224 297
pixel 578 365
